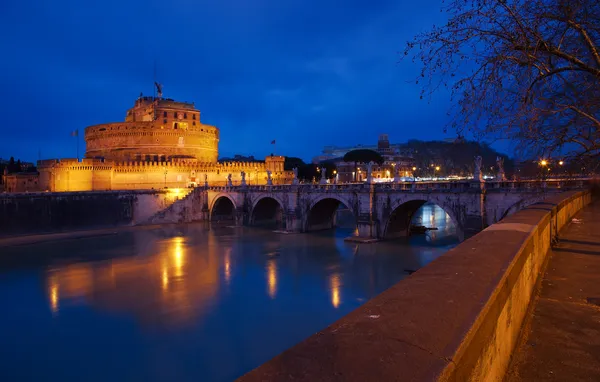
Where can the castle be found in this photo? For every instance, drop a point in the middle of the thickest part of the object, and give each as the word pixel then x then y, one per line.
pixel 162 143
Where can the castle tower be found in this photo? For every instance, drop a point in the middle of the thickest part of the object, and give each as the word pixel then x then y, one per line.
pixel 155 129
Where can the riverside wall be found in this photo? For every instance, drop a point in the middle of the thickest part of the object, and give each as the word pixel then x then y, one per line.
pixel 32 213
pixel 457 319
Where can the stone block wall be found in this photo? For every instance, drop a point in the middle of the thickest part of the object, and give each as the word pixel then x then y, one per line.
pixel 55 212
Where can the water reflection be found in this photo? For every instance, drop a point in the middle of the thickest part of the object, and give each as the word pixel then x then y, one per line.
pixel 335 284
pixel 54 297
pixel 432 216
pixel 185 303
pixel 272 277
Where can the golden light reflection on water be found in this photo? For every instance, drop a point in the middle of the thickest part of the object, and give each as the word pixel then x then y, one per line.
pixel 272 277
pixel 159 284
pixel 54 297
pixel 178 256
pixel 227 266
pixel 165 279
pixel 335 283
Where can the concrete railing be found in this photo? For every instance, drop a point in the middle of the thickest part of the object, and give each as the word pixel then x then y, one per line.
pixel 457 319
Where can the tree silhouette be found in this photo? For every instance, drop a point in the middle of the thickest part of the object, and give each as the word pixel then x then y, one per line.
pixel 363 156
pixel 526 71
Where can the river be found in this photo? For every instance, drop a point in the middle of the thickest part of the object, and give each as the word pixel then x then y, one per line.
pixel 187 302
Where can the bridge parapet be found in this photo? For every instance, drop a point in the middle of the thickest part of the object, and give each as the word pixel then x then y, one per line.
pixel 450 186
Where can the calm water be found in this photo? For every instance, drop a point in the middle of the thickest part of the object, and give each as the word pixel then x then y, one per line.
pixel 186 303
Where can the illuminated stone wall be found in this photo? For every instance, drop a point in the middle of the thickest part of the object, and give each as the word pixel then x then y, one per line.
pixel 161 144
pixel 155 129
pixel 131 141
pixel 96 175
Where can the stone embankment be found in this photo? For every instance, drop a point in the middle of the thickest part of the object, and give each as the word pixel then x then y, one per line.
pixel 457 319
pixel 31 213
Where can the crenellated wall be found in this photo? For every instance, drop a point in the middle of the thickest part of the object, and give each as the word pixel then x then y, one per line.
pixel 97 174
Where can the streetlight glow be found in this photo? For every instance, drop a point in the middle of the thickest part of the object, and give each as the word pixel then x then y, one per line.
pixel 544 162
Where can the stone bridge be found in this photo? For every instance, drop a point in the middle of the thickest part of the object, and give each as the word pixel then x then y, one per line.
pixel 380 210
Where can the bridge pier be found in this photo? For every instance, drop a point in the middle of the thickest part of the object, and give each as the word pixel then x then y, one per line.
pixel 293 223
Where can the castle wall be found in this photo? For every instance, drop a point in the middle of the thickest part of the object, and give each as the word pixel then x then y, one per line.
pixel 96 175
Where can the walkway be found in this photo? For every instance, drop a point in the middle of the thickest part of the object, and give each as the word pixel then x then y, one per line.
pixel 562 341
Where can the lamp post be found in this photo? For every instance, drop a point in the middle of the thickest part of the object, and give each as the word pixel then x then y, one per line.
pixel 543 164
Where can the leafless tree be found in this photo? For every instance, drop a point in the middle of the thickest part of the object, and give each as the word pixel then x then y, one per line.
pixel 523 70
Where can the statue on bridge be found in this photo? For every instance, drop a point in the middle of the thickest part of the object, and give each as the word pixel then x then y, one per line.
pixel 323 176
pixel 501 177
pixel 477 175
pixel 295 180
pixel 205 180
pixel 269 178
pixel 396 174
pixel 229 183
pixel 243 175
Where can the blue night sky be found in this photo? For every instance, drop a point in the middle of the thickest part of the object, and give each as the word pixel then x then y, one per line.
pixel 306 73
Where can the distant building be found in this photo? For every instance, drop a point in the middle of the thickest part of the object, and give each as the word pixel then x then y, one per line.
pixel 20 181
pixel 335 152
pixel 397 160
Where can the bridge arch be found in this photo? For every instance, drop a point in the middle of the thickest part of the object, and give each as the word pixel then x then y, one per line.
pixel 321 212
pixel 267 211
pixel 397 222
pixel 223 207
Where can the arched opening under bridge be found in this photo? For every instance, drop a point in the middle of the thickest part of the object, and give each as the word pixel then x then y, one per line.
pixel 223 210
pixel 267 213
pixel 329 213
pixel 422 221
